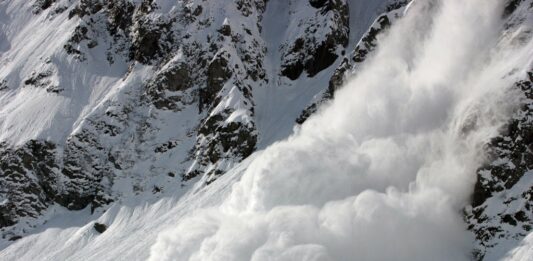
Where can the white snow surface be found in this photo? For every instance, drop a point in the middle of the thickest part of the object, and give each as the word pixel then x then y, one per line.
pixel 34 43
pixel 381 173
pixel 523 252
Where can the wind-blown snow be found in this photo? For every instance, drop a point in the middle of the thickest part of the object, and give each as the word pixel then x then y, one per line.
pixel 384 171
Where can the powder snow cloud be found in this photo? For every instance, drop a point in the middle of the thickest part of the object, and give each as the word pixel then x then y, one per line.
pixel 384 171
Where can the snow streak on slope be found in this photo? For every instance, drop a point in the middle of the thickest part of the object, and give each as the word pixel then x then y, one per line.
pixel 384 171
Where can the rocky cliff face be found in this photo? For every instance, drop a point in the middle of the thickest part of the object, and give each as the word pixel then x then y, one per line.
pixel 502 203
pixel 350 62
pixel 501 210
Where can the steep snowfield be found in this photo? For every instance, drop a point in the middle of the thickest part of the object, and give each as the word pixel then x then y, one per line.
pixel 524 251
pixel 383 172
pixel 33 45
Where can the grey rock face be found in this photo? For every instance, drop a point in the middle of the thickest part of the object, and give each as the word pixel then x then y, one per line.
pixel 218 74
pixel 34 176
pixel 350 62
pixel 501 214
pixel 100 228
pixel 312 52
pixel 502 204
pixel 3 85
pixel 29 182
pixel 40 5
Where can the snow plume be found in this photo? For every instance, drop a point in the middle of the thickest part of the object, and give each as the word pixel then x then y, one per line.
pixel 384 171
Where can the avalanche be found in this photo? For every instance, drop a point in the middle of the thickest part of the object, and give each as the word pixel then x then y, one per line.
pixel 383 171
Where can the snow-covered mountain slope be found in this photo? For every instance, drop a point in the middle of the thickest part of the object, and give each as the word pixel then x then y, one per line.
pixel 137 100
pixel 123 125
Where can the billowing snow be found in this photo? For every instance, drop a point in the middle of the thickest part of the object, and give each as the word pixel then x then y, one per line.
pixel 384 171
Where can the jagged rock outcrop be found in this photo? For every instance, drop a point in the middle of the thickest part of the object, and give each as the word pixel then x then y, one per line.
pixel 29 180
pixel 3 85
pixel 319 42
pixel 502 204
pixel 350 62
pixel 39 174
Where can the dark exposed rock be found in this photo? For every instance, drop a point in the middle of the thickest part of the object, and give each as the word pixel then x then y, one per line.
pixel 28 176
pixel 197 11
pixel 511 6
pixel 338 78
pixel 225 30
pixel 318 3
pixel 120 16
pixel 514 147
pixel 42 80
pixel 33 177
pixel 310 54
pixel 335 82
pixel 86 7
pixel 3 85
pixel 396 4
pixel 223 140
pixel 100 228
pixel 323 57
pixel 85 166
pixel 151 38
pixel 130 29
pixel 15 238
pixel 306 113
pixel 72 45
pixel 293 71
pixel 217 75
pixel 369 41
pixel 91 44
pixel 510 162
pixel 41 5
pixel 234 135
pixel 175 78
pixel 60 9
pixel 166 146
pixel 37 78
pixel 145 45
pixel 178 79
pixel 366 46
pixel 246 6
pixel 75 52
